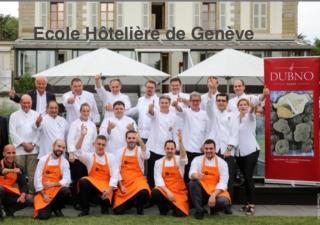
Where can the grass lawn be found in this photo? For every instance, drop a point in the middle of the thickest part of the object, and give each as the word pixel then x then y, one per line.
pixel 145 220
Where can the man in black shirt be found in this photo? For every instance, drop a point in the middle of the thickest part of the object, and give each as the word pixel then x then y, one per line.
pixel 13 185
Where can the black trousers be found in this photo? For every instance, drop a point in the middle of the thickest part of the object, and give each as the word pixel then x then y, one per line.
pixel 77 170
pixel 165 205
pixel 151 161
pixel 232 166
pixel 191 156
pixel 56 204
pixel 89 193
pixel 199 198
pixel 8 201
pixel 247 165
pixel 138 200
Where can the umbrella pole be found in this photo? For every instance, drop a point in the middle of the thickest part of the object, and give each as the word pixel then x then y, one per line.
pixel 228 79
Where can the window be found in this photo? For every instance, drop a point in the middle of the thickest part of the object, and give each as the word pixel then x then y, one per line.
pixel 57 15
pixel 208 15
pixel 107 14
pixel 158 15
pixel 26 62
pixel 259 16
pixel 223 16
pixel 45 60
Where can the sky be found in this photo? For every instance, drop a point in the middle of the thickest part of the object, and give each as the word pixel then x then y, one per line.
pixel 308 16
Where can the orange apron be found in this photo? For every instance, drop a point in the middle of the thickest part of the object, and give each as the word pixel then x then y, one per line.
pixel 8 181
pixel 175 183
pixel 99 175
pixel 132 178
pixel 211 178
pixel 50 173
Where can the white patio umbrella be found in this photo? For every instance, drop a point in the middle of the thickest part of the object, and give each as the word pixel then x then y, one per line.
pixel 105 61
pixel 228 63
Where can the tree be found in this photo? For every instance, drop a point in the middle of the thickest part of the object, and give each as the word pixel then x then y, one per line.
pixel 24 84
pixel 316 48
pixel 8 28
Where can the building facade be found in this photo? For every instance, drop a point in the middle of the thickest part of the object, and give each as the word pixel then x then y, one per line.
pixel 274 24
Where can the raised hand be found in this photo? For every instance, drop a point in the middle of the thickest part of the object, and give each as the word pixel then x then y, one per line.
pixel 84 130
pixel 12 93
pixel 109 107
pixel 39 120
pixel 111 125
pixel 72 99
pixel 98 77
pixel 130 126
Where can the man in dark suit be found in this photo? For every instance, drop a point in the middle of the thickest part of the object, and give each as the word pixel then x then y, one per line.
pixel 3 134
pixel 40 97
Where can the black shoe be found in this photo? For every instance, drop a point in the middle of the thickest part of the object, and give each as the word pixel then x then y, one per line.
pixel 9 213
pixel 140 211
pixel 104 210
pixel 58 213
pixel 76 206
pixel 83 213
pixel 213 212
pixel 199 215
pixel 228 211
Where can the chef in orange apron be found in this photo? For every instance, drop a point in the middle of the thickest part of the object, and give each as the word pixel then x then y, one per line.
pixel 51 181
pixel 209 181
pixel 13 185
pixel 133 187
pixel 103 176
pixel 171 191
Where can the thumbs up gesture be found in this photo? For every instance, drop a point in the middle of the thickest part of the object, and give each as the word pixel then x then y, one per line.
pixel 98 77
pixel 111 125
pixel 84 130
pixel 39 120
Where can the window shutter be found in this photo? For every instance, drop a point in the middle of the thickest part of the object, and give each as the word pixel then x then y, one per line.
pixel 119 15
pixel 71 15
pixel 196 14
pixel 171 14
pixel 145 15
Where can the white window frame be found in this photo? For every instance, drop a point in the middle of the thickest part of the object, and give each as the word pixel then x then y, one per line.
pixel 259 15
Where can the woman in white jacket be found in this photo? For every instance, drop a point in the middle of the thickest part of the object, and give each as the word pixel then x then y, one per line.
pixel 247 152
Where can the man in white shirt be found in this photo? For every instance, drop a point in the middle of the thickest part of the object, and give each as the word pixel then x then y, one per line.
pixel 208 181
pixel 225 132
pixel 25 137
pixel 162 128
pixel 176 94
pixel 171 191
pixel 195 128
pixel 40 97
pixel 115 128
pixel 133 187
pixel 102 180
pixel 52 179
pixel 213 84
pixel 239 88
pixel 110 97
pixel 73 99
pixel 51 128
pixel 142 109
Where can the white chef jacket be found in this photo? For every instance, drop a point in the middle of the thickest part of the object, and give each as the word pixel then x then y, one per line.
pixel 74 135
pixel 116 139
pixel 41 106
pixel 224 127
pixel 232 104
pixel 162 128
pixel 73 110
pixel 108 97
pixel 195 129
pixel 21 130
pixel 142 108
pixel 205 98
pixel 50 130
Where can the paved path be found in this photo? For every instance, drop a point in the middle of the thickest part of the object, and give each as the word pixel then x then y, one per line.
pixel 261 210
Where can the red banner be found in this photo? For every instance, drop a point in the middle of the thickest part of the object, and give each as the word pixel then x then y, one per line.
pixel 292 119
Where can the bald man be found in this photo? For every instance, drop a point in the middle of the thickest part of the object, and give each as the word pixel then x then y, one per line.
pixel 25 137
pixel 13 186
pixel 40 97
